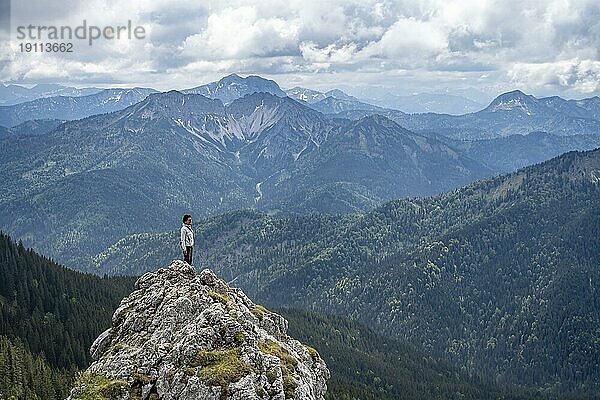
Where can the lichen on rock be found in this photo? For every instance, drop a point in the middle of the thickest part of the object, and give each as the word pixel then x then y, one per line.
pixel 187 335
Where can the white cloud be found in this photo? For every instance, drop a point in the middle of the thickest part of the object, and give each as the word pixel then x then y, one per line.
pixel 329 54
pixel 581 76
pixel 410 39
pixel 551 45
pixel 241 33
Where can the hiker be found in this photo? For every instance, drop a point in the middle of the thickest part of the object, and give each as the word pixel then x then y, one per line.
pixel 187 238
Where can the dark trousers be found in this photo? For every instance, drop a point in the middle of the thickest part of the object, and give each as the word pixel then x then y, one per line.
pixel 187 255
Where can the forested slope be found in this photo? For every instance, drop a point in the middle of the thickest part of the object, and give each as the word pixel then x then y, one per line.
pixel 500 276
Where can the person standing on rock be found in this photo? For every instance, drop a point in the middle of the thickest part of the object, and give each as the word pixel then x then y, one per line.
pixel 187 239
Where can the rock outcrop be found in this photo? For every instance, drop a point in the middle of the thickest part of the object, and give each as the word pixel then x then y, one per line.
pixel 186 335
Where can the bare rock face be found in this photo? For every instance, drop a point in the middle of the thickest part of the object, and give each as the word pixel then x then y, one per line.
pixel 182 335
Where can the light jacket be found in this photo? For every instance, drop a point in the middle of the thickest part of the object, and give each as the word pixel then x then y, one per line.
pixel 187 236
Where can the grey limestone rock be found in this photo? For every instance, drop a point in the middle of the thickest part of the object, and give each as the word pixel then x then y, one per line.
pixel 186 335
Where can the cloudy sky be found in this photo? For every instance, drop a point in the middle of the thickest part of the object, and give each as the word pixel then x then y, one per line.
pixel 481 47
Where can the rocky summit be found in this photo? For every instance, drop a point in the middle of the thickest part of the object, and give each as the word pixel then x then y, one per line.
pixel 187 335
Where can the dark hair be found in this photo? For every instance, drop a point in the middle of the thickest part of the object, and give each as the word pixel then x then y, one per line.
pixel 185 217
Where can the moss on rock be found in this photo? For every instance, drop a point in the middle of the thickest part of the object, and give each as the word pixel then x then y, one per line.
pixel 239 337
pixel 97 386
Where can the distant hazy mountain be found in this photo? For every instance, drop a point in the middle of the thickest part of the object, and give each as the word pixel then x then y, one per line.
pixel 361 111
pixel 509 153
pixel 331 102
pixel 334 105
pixel 70 108
pixel 14 94
pixel 308 95
pixel 441 103
pixel 313 96
pixel 234 87
pixel 592 105
pixel 508 114
pixel 584 108
pixel 511 113
pixel 339 94
pixel 414 103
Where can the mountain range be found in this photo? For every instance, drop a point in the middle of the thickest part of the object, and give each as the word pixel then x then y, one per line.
pixel 15 94
pixel 509 114
pixel 202 156
pixel 262 150
pixel 516 113
pixel 71 107
pixel 411 103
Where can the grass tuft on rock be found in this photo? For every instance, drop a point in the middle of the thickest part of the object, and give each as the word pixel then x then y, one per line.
pixel 288 364
pixel 222 298
pixel 259 311
pixel 312 351
pixel 221 367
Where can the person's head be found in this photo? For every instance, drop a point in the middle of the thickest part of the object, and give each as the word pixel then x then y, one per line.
pixel 187 219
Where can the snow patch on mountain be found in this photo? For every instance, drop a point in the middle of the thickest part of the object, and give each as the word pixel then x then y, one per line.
pixel 512 104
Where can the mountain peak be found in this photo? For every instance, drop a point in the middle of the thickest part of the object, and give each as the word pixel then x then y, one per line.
pixel 376 127
pixel 514 93
pixel 183 335
pixel 304 94
pixel 47 86
pixel 233 87
pixel 339 94
pixel 233 76
pixel 514 100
